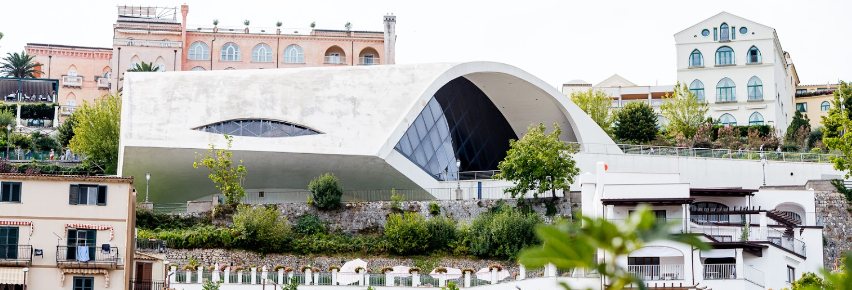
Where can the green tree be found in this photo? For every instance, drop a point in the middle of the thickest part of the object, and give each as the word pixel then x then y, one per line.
pixel 504 233
pixel 65 130
pixel 684 111
pixel 144 67
pixel 539 163
pixel 325 191
pixel 575 245
pixel 838 121
pixel 227 177
pixel 20 65
pixel 7 118
pixel 799 121
pixel 97 132
pixel 597 105
pixel 636 122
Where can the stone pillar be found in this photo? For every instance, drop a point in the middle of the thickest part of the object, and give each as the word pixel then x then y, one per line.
pixel 388 279
pixel 308 276
pixel 493 275
pixel 316 278
pixel 740 268
pixel 466 279
pixel 290 276
pixel 173 275
pixel 280 276
pixel 200 276
pixel 333 277
pixel 367 279
pixel 264 273
pixel 415 279
pixel 361 277
pixel 188 276
pixel 253 275
pixel 522 272
pixel 227 277
pixel 240 276
pixel 763 227
pixel 442 280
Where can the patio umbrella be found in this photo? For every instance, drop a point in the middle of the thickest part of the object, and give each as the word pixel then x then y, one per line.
pixel 347 275
pixel 452 273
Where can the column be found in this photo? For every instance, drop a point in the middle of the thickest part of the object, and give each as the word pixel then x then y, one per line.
pixel 740 266
pixel 55 116
pixel 253 275
pixel 200 277
pixel 763 227
pixel 264 273
pixel 415 279
pixel 361 277
pixel 280 276
pixel 18 120
pixel 442 280
pixel 389 279
pixel 551 270
pixel 467 279
pixel 685 216
pixel 493 275
pixel 240 277
pixel 173 275
pixel 308 276
pixel 333 276
pixel 610 212
pixel 522 272
pixel 227 277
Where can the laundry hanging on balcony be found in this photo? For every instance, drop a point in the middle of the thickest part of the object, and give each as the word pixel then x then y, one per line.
pixel 18 223
pixel 91 227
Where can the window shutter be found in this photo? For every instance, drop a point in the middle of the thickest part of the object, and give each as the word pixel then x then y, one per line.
pixel 102 195
pixel 73 194
pixel 6 192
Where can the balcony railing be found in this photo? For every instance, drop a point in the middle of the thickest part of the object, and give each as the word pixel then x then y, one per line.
pixel 657 272
pixel 151 245
pixel 16 255
pixel 97 257
pixel 368 61
pixel 754 276
pixel 335 59
pixel 752 234
pixel 72 81
pixel 103 83
pixel 148 43
pixel 146 285
pixel 67 110
pixel 720 271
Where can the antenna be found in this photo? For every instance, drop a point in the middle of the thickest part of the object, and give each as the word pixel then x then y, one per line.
pixel 59 239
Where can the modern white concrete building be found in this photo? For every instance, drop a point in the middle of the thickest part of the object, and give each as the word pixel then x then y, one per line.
pixel 738 66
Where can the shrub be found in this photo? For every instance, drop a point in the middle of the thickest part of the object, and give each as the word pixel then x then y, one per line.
pixel 202 236
pixel 495 266
pixel 434 208
pixel 396 201
pixel 260 229
pixel 407 233
pixel 466 270
pixel 502 234
pixel 442 231
pixel 309 224
pixel 450 286
pixel 239 268
pixel 189 268
pixel 325 192
pixel 386 269
pixel 151 221
pixel 210 285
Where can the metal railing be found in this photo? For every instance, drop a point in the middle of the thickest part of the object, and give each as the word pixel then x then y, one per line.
pixel 657 272
pixel 808 219
pixel 300 196
pixel 16 254
pixel 148 43
pixel 67 110
pixel 32 98
pixel 103 83
pixel 720 271
pixel 368 61
pixel 22 155
pixel 754 276
pixel 475 175
pixel 71 256
pixel 334 59
pixel 708 153
pixel 735 233
pixel 151 245
pixel 72 81
pixel 146 285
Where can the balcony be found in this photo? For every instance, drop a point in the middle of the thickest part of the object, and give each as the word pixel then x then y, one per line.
pixel 72 81
pixel 103 83
pixel 98 258
pixel 657 272
pixel 16 255
pixel 754 234
pixel 151 245
pixel 334 59
pixel 67 110
pixel 146 285
pixel 720 271
pixel 368 61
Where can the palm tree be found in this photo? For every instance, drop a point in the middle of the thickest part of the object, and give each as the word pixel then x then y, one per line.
pixel 20 65
pixel 144 67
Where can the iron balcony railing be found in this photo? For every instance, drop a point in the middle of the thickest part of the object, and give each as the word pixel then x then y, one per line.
pixel 146 285
pixel 151 245
pixel 67 110
pixel 18 255
pixel 97 257
pixel 672 151
pixel 103 83
pixel 720 271
pixel 735 233
pixel 657 272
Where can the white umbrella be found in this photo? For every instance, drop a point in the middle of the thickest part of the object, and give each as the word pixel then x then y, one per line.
pixel 351 265
pixel 347 274
pixel 452 273
pixel 400 270
pixel 483 274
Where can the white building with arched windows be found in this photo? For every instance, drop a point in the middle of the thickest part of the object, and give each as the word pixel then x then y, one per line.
pixel 740 69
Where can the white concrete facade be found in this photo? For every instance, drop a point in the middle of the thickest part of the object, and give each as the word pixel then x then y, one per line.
pixel 773 68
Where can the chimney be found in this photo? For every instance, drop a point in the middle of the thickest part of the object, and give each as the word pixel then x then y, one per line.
pixel 390 39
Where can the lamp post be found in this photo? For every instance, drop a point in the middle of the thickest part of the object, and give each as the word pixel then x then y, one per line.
pixel 25 277
pixel 458 180
pixel 763 162
pixel 147 179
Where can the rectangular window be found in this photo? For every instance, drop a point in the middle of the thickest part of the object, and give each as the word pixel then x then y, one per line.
pixel 81 240
pixel 84 283
pixel 801 91
pixel 802 107
pixel 87 194
pixel 715 34
pixel 791 274
pixel 733 32
pixel 10 192
pixel 9 243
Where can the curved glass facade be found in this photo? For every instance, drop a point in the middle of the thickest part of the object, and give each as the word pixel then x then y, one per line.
pixel 459 123
pixel 257 128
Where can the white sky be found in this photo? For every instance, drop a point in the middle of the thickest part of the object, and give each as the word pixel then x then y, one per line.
pixel 554 40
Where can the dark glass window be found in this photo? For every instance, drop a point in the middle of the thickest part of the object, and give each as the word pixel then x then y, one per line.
pixel 753 55
pixel 743 30
pixel 725 56
pixel 10 192
pixel 709 206
pixel 458 123
pixel 697 88
pixel 84 283
pixel 8 243
pixel 257 128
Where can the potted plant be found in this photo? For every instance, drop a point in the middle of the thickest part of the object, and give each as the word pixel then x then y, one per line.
pixel 358 269
pixel 304 268
pixel 279 267
pixel 223 267
pixel 215 25
pixel 316 269
pixel 288 270
pixel 467 270
pixel 417 270
pixel 440 270
pixel 211 268
pixel 278 27
pixel 188 267
pixel 495 266
pixel 385 270
pixel 332 268
pixel 348 26
pixel 246 23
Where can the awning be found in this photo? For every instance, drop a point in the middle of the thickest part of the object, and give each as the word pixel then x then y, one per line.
pixel 719 253
pixel 656 252
pixel 12 275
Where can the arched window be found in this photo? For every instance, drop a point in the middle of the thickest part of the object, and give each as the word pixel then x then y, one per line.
pixel 755 119
pixel 199 51
pixel 755 89
pixel 294 54
pixel 709 207
pixel 230 52
pixel 696 59
pixel 753 55
pixel 825 106
pixel 261 53
pixel 198 68
pixel 724 32
pixel 728 119
pixel 257 128
pixel 726 91
pixel 725 56
pixel 697 88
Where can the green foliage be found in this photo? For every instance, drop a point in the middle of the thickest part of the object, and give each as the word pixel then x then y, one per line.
pixel 502 234
pixel 260 228
pixel 427 264
pixel 7 118
pixel 66 130
pixel 839 120
pixel 434 208
pixel 596 104
pixel 42 167
pixel 97 132
pixel 339 244
pixel 442 231
pixel 450 286
pixel 407 233
pixel 227 178
pixel 635 123
pixel 309 224
pixel 20 65
pixel 810 280
pixel 197 237
pixel 291 284
pixel 210 285
pixel 684 112
pixel 325 191
pixel 576 245
pixel 42 142
pixel 799 120
pixel 148 220
pixel 396 201
pixel 841 188
pixel 842 278
pixel 539 163
pixel 144 67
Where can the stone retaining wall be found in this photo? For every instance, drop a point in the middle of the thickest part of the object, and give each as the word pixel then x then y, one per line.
pixel 837 233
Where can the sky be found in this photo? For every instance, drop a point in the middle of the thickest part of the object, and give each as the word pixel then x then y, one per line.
pixel 556 41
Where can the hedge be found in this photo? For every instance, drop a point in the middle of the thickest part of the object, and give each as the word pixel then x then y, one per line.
pixel 32 111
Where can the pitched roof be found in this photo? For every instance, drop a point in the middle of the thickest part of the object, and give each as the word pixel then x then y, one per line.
pixel 615 81
pixel 719 15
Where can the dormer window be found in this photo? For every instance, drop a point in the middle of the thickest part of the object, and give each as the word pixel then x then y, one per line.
pixel 724 35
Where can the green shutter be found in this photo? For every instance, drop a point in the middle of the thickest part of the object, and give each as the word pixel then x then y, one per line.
pixel 71 252
pixel 73 194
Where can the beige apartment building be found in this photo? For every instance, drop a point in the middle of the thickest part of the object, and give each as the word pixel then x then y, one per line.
pixel 815 101
pixel 65 232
